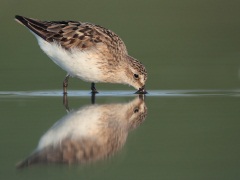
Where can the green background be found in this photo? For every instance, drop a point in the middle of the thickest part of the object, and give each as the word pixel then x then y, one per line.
pixel 184 44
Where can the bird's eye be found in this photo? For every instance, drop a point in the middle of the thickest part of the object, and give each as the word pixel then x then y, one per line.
pixel 136 76
pixel 136 110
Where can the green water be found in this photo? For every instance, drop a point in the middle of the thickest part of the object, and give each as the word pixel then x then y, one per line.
pixel 183 137
pixel 191 51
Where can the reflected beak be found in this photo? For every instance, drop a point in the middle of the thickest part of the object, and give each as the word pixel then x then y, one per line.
pixel 141 91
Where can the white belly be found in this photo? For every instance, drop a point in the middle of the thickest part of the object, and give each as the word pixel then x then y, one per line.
pixel 81 64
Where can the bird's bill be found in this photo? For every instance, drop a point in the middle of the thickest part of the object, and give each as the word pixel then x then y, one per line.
pixel 141 91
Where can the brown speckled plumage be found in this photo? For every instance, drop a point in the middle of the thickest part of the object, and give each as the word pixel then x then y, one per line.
pixel 75 34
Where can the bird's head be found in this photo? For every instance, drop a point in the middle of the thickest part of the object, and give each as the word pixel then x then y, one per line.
pixel 136 75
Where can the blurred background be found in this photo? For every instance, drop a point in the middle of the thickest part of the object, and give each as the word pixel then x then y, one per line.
pixel 188 44
pixel 184 44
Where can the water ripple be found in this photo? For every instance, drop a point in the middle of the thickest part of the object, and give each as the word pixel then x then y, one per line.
pixel 122 93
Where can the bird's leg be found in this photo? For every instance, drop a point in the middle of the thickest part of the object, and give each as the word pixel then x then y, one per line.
pixel 65 102
pixel 94 90
pixel 93 98
pixel 65 84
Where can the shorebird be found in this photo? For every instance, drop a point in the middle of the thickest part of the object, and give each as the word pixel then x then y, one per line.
pixel 87 51
pixel 89 134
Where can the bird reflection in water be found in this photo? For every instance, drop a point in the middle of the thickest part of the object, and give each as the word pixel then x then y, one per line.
pixel 89 134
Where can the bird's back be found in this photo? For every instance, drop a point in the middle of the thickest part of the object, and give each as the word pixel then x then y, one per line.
pixel 74 34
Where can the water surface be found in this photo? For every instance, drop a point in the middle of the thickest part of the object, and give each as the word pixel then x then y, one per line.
pixel 186 133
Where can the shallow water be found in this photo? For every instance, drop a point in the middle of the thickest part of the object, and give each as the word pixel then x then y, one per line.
pixel 186 133
pixel 121 93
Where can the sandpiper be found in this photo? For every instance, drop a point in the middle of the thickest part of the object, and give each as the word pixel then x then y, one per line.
pixel 87 51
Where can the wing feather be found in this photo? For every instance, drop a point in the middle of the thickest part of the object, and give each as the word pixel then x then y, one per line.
pixel 74 34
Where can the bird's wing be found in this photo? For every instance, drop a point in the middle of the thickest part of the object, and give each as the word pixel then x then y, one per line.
pixel 73 34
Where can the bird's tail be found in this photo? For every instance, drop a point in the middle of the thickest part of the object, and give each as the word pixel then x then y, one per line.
pixel 36 26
